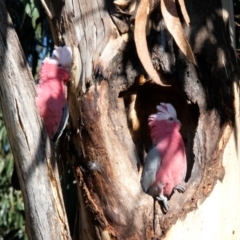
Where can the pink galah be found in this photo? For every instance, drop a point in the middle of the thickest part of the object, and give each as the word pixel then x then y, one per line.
pixel 51 100
pixel 51 90
pixel 165 166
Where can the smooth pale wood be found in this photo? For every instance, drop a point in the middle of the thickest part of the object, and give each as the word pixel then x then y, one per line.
pixel 44 210
pixel 218 217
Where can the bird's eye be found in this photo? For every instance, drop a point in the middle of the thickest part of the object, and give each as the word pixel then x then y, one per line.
pixel 59 65
pixel 170 118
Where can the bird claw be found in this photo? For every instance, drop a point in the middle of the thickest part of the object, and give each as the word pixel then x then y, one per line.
pixel 164 200
pixel 180 188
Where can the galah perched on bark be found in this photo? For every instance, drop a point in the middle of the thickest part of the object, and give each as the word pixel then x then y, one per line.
pixel 51 91
pixel 165 166
pixel 51 95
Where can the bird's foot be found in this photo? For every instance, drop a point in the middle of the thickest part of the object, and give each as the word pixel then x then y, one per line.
pixel 164 200
pixel 180 188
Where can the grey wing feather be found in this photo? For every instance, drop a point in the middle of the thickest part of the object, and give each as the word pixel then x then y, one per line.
pixel 63 123
pixel 152 163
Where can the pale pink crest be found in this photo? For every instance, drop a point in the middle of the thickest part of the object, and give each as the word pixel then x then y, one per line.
pixel 165 112
pixel 167 109
pixel 63 56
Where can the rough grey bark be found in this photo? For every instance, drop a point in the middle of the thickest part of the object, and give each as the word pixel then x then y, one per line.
pixel 44 209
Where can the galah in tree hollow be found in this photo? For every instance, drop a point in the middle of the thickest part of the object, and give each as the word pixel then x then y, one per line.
pixel 165 166
pixel 51 91
pixel 51 96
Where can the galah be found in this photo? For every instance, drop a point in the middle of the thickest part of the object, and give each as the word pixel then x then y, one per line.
pixel 51 91
pixel 165 165
pixel 51 96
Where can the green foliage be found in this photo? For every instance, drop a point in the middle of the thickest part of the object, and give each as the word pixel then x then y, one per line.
pixel 11 207
pixel 31 25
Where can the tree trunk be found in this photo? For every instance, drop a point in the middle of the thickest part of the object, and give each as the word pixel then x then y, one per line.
pixel 110 99
pixel 217 217
pixel 37 170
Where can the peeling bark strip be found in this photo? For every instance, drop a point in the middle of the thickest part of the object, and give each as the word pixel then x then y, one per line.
pixel 184 11
pixel 141 41
pixel 174 26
